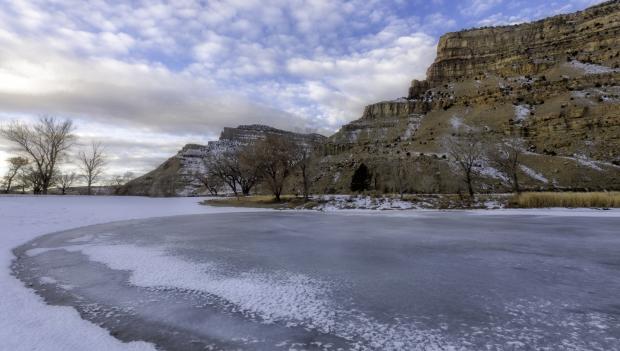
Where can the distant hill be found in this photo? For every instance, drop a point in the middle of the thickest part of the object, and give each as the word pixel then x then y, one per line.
pixel 176 176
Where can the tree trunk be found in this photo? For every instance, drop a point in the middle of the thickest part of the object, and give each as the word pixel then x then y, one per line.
pixel 470 187
pixel 515 183
pixel 305 183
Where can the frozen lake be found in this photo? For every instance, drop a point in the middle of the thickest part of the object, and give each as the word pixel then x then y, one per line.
pixel 286 280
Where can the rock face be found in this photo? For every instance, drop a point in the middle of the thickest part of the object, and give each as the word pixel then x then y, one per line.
pixel 529 49
pixel 177 175
pixel 174 177
pixel 553 83
pixel 245 134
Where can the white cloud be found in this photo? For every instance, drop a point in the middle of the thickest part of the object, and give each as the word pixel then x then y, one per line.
pixel 349 82
pixel 477 7
pixel 517 12
pixel 438 21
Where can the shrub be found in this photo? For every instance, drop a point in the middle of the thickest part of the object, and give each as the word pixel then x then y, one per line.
pixel 571 200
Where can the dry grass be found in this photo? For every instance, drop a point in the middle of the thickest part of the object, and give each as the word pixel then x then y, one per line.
pixel 258 201
pixel 550 199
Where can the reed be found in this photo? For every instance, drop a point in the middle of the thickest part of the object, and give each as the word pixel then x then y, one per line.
pixel 566 199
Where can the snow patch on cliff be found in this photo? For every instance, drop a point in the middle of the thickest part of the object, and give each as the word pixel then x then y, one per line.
pixel 456 122
pixel 533 174
pixel 522 112
pixel 590 68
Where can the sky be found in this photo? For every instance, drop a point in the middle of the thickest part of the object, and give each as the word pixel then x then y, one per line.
pixel 146 77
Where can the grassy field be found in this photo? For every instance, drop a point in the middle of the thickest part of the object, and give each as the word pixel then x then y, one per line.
pixel 566 199
pixel 260 201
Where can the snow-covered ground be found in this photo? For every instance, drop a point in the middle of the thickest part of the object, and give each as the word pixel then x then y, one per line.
pixel 26 322
pixel 347 202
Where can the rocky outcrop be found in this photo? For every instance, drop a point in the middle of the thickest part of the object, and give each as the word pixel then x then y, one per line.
pixel 174 177
pixel 179 175
pixel 591 36
pixel 553 83
pixel 245 134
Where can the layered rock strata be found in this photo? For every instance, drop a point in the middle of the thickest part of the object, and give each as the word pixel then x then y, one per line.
pixel 553 83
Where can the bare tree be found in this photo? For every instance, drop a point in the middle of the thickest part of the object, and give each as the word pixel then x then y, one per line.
pixel 92 163
pixel 209 180
pixel 236 168
pixel 276 161
pixel 219 167
pixel 44 144
pixel 65 181
pixel 400 175
pixel 303 160
pixel 466 151
pixel 119 180
pixel 247 163
pixel 506 155
pixel 29 178
pixel 16 164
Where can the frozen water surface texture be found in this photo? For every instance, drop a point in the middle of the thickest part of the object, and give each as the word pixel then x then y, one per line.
pixel 270 281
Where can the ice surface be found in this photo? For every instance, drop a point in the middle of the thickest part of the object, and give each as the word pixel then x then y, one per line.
pixel 61 328
pixel 436 281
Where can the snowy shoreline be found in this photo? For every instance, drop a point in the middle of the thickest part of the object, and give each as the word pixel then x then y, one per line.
pixel 27 322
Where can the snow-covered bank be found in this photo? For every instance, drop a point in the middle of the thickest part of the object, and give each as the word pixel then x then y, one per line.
pixel 329 203
pixel 26 322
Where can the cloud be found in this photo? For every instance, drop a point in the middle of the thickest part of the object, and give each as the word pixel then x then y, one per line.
pixel 115 91
pixel 341 86
pixel 517 12
pixel 477 7
pixel 438 22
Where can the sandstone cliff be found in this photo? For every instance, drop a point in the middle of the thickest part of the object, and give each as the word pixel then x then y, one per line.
pixel 591 36
pixel 553 83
